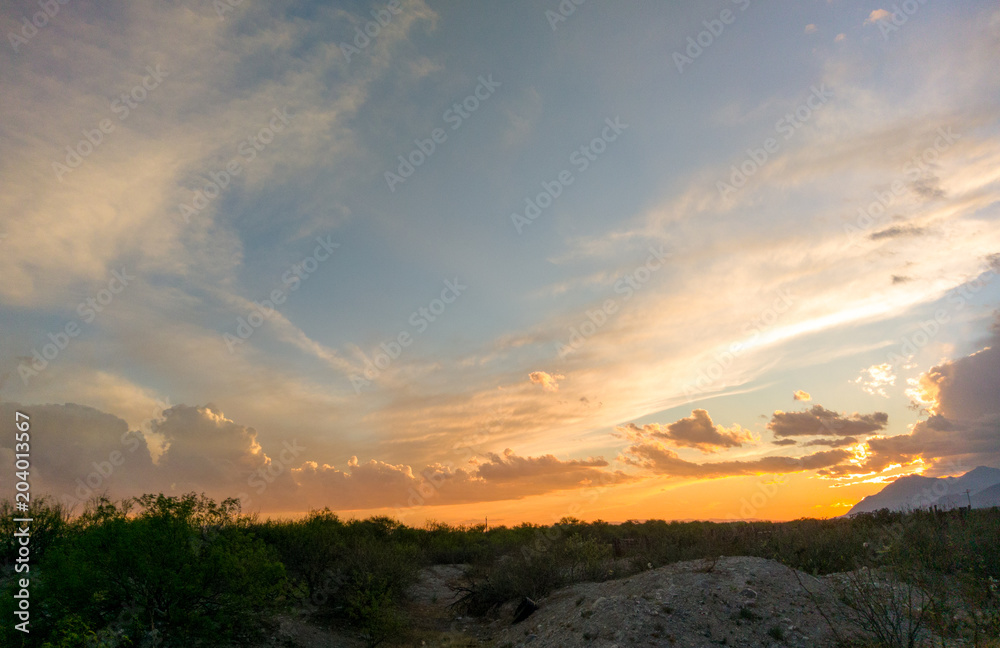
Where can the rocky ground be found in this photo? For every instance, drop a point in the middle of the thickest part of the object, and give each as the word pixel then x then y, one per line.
pixel 730 602
pixel 736 601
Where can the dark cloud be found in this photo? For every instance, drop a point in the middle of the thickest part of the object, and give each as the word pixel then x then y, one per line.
pixel 79 452
pixel 898 279
pixel 785 442
pixel 500 477
pixel 928 187
pixel 895 231
pixel 818 421
pixel 832 443
pixel 76 452
pixel 657 458
pixel 964 427
pixel 695 431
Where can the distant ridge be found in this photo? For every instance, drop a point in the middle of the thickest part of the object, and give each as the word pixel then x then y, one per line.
pixel 987 498
pixel 918 492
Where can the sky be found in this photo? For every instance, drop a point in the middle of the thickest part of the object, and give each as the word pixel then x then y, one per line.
pixel 523 260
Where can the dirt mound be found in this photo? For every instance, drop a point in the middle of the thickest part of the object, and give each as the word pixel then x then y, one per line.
pixel 738 601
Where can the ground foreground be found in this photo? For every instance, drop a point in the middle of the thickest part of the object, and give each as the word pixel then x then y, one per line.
pixel 187 572
pixel 737 601
pixel 734 601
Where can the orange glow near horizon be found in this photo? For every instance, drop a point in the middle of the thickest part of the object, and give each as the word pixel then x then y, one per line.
pixel 768 497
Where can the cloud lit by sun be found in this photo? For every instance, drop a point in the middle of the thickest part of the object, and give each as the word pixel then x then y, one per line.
pixel 423 267
pixel 876 378
pixel 923 393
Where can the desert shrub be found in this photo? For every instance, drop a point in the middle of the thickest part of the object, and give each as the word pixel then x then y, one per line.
pixel 926 571
pixel 356 572
pixel 49 523
pixel 551 560
pixel 190 571
pixel 183 568
pixel 376 571
pixel 892 609
pixel 511 577
pixel 311 550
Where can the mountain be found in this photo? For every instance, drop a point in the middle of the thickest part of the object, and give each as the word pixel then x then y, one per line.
pixel 987 498
pixel 977 479
pixel 980 485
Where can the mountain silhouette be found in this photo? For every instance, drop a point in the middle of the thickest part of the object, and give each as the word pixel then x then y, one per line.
pixel 980 486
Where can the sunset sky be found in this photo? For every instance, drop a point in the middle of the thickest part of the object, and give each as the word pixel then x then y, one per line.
pixel 524 260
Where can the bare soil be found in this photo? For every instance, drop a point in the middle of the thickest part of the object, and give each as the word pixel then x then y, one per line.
pixel 736 601
pixel 739 601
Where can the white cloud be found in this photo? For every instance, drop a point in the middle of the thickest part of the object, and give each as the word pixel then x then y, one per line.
pixel 876 15
pixel 876 378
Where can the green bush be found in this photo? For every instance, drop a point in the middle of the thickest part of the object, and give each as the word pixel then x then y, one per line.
pixel 187 571
pixel 183 569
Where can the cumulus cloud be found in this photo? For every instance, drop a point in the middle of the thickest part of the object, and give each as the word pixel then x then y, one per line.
pixel 76 452
pixel 819 421
pixel 79 452
pixel 695 431
pixel 205 451
pixel 840 38
pixel 800 395
pixel 810 29
pixel 877 15
pixel 84 452
pixel 649 450
pixel 546 380
pixel 963 429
